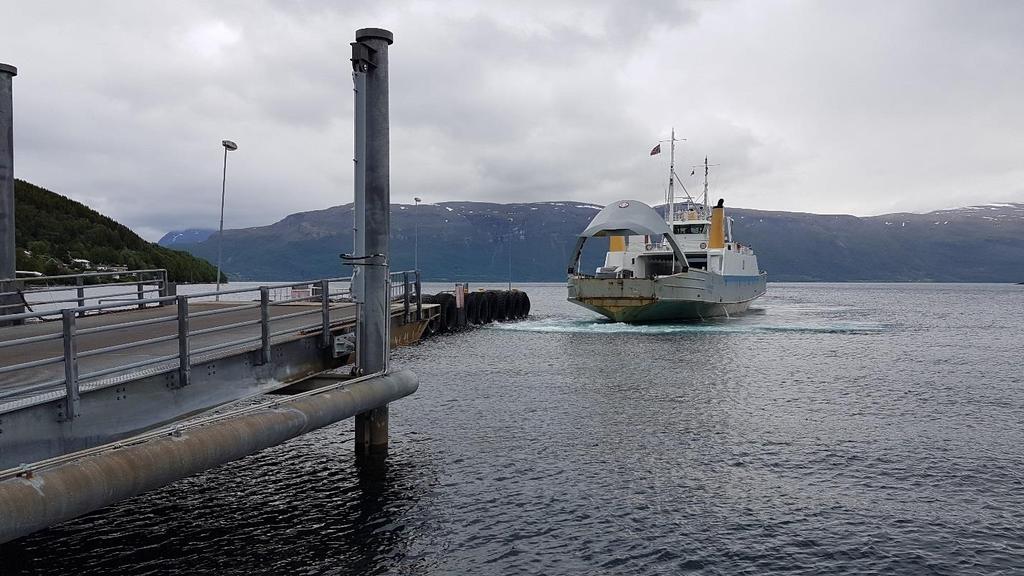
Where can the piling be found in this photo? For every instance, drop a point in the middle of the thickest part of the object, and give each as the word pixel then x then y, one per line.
pixel 8 255
pixel 373 195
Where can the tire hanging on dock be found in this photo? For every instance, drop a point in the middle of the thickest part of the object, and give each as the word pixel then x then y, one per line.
pixel 492 305
pixel 472 308
pixel 449 313
pixel 501 307
pixel 522 304
pixel 483 308
pixel 514 305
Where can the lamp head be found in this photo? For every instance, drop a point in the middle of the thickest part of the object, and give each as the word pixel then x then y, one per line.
pixel 229 145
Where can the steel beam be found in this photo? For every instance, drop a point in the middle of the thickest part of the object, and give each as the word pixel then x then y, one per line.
pixel 51 495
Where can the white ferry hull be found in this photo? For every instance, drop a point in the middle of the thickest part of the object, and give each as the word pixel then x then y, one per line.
pixel 692 295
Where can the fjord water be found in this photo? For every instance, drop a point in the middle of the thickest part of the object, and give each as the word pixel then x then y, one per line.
pixel 839 429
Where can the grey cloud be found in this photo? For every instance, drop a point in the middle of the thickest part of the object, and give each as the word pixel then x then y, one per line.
pixel 842 107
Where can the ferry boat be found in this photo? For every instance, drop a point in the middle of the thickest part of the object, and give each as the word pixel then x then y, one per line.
pixel 673 269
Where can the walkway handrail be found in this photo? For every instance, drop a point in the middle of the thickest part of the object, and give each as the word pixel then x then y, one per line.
pixel 324 293
pixel 147 281
pixel 405 286
pixel 94 274
pixel 320 294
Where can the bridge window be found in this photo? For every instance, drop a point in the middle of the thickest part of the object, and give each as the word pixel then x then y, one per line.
pixel 690 229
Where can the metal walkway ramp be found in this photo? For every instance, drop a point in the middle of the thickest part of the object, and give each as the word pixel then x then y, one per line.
pixel 78 377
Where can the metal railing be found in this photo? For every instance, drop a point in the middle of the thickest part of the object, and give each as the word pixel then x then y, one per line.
pixel 406 287
pixel 56 293
pixel 309 299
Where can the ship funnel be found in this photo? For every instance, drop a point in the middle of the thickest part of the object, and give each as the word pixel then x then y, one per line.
pixel 716 238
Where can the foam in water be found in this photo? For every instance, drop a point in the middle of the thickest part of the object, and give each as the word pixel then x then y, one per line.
pixel 565 325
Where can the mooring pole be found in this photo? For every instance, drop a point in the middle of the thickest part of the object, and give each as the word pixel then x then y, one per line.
pixel 8 255
pixel 372 221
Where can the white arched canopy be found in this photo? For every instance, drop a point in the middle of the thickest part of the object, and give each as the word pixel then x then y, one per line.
pixel 626 218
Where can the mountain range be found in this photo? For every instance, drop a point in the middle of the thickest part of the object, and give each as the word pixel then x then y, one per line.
pixel 470 241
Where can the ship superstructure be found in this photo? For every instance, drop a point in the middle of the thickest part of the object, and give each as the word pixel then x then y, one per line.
pixel 687 266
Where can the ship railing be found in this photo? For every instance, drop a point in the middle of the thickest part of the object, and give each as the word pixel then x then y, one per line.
pixel 276 303
pixel 53 294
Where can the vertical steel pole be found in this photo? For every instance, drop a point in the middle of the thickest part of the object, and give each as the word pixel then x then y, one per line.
pixel 416 245
pixel 141 289
pixel 325 312
pixel 510 253
pixel 264 325
pixel 184 350
pixel 373 205
pixel 7 251
pixel 357 285
pixel 220 235
pixel 164 286
pixel 70 366
pixel 373 192
pixel 80 292
pixel 8 254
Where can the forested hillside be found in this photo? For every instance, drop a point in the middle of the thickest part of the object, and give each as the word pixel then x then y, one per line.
pixel 51 230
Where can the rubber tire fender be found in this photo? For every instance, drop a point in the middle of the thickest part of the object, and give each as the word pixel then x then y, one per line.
pixel 500 304
pixel 449 313
pixel 520 305
pixel 483 315
pixel 472 308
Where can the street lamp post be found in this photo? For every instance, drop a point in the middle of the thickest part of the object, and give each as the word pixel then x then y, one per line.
pixel 510 253
pixel 228 146
pixel 416 245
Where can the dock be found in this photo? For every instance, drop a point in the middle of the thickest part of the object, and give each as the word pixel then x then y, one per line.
pixel 115 383
pixel 106 397
pixel 74 378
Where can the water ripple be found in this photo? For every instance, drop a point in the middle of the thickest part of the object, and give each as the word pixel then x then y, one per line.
pixel 840 429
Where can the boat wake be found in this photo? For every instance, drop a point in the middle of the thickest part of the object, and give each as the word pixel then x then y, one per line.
pixel 564 325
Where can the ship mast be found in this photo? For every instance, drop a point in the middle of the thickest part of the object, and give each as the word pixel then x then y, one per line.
pixel 671 178
pixel 670 193
pixel 707 207
pixel 705 184
pixel 670 196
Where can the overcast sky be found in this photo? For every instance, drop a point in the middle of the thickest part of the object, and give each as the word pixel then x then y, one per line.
pixel 849 107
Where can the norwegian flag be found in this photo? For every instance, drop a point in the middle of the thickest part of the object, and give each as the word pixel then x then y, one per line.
pixel 656 150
